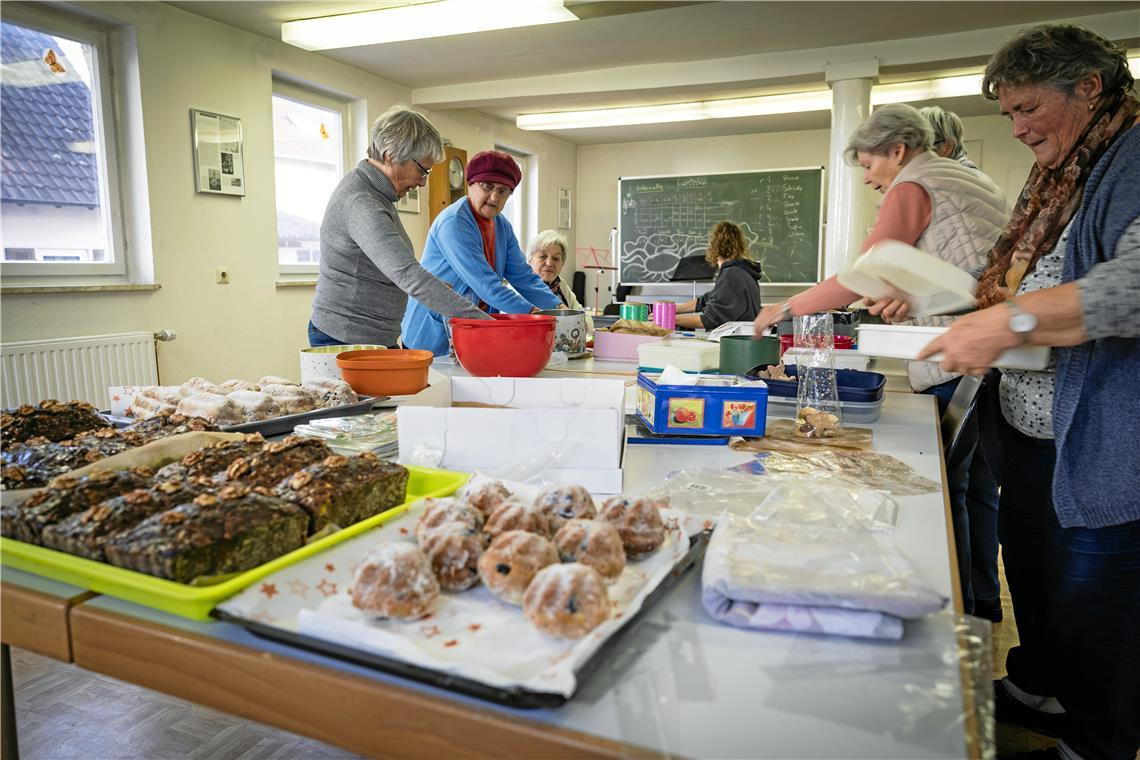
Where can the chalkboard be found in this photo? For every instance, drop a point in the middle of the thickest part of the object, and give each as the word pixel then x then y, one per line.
pixel 663 219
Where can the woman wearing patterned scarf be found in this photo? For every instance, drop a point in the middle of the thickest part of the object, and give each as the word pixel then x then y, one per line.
pixel 1066 273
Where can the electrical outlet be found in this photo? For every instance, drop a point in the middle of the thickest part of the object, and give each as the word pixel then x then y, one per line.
pixel 223 275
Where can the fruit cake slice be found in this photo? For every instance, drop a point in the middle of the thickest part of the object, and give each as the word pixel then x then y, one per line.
pixel 345 490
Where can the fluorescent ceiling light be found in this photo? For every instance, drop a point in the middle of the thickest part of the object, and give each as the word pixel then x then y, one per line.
pixel 765 105
pixel 441 18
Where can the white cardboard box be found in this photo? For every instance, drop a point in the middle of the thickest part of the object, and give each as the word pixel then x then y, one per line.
pixel 572 430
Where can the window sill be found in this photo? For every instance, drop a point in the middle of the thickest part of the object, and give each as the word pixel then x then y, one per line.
pixel 296 283
pixel 11 290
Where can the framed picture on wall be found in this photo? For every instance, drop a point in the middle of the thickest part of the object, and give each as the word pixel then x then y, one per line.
pixel 563 208
pixel 410 203
pixel 219 165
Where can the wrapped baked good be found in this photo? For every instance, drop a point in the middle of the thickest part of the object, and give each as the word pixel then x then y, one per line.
pixel 276 380
pixel 255 406
pixel 332 391
pixel 212 407
pixel 293 399
pixel 229 386
pixel 197 385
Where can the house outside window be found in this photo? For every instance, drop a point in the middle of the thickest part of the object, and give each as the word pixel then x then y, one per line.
pixel 59 194
pixel 310 157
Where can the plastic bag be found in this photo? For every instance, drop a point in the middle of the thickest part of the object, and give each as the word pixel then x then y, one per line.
pixel 817 393
pixel 864 469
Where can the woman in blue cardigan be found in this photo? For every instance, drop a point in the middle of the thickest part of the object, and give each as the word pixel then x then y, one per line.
pixel 1065 272
pixel 474 250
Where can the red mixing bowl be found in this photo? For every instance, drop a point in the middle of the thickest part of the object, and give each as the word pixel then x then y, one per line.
pixel 508 345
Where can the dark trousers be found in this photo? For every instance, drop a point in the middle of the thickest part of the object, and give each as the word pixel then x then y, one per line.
pixel 318 338
pixel 973 509
pixel 1076 598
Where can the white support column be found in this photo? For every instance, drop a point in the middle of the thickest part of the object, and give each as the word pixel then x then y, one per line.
pixel 848 202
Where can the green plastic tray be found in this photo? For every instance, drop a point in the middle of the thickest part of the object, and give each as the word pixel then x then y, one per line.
pixel 197 601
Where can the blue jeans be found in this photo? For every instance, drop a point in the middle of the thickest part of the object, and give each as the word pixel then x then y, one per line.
pixel 318 338
pixel 1076 597
pixel 973 509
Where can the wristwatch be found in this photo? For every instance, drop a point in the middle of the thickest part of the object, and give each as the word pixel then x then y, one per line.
pixel 1021 322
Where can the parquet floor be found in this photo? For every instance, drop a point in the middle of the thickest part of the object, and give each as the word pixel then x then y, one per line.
pixel 64 712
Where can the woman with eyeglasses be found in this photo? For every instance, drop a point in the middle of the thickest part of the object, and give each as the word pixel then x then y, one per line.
pixel 368 267
pixel 474 250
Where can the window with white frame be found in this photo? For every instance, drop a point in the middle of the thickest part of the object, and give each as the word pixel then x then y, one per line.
pixel 310 155
pixel 59 189
pixel 515 208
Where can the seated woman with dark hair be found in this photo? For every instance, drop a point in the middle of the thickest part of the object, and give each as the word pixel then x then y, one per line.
pixel 735 295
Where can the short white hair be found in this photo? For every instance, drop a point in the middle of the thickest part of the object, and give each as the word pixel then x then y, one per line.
pixel 544 239
pixel 888 126
pixel 404 135
pixel 947 128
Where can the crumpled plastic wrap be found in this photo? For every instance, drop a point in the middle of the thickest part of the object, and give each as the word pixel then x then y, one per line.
pixel 865 469
pixel 817 388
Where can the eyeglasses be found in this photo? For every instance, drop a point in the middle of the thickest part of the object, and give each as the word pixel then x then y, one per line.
pixel 491 188
pixel 421 167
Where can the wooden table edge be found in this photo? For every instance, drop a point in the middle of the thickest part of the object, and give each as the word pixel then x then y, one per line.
pixel 351 711
pixel 36 621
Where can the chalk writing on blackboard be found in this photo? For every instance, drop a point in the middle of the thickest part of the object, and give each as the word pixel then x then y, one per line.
pixel 664 219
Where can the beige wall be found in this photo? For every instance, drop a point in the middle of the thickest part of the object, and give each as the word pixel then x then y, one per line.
pixel 250 327
pixel 599 167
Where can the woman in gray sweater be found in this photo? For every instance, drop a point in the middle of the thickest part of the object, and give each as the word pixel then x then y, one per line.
pixel 368 267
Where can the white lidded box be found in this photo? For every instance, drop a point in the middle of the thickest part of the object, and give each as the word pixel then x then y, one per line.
pixel 566 430
pixel 687 355
pixel 906 341
pixel 891 269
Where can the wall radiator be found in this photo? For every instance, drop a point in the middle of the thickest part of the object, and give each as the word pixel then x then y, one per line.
pixel 78 368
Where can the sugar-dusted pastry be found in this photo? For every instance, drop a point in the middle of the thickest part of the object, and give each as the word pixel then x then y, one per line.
pixel 638 521
pixel 511 561
pixel 212 407
pixel 440 511
pixel 595 543
pixel 515 514
pixel 567 601
pixel 255 406
pixel 293 398
pixel 170 394
pixel 454 549
pixel 230 386
pixel 562 503
pixel 200 385
pixel 145 407
pixel 332 391
pixel 394 580
pixel 486 497
pixel 276 380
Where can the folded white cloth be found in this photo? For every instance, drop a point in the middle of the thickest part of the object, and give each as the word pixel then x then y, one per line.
pixel 800 563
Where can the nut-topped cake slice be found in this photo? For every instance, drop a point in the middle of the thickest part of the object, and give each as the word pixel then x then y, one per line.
pixel 276 461
pixel 66 496
pixel 212 459
pixel 345 490
pixel 228 532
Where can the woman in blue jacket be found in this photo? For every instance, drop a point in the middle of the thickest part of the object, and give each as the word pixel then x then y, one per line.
pixel 474 250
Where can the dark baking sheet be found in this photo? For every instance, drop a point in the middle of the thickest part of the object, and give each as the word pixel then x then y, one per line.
pixel 281 425
pixel 514 697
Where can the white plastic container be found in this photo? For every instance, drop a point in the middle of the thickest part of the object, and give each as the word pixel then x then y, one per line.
pixel 891 269
pixel 320 361
pixel 687 355
pixel 906 341
pixel 845 358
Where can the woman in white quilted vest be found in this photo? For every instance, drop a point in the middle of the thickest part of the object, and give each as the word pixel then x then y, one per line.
pixel 955 213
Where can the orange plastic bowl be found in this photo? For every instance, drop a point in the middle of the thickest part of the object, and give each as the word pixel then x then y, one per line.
pixel 385 372
pixel 509 345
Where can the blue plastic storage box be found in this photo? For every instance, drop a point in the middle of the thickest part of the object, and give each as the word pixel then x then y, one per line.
pixel 715 408
pixel 854 385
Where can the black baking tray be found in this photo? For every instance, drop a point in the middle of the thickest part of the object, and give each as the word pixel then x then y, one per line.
pixel 283 424
pixel 512 697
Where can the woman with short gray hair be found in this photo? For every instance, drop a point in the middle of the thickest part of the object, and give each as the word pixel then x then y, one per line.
pixel 546 256
pixel 368 267
pixel 948 134
pixel 954 213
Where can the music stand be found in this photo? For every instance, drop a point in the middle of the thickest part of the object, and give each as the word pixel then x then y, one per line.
pixel 600 260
